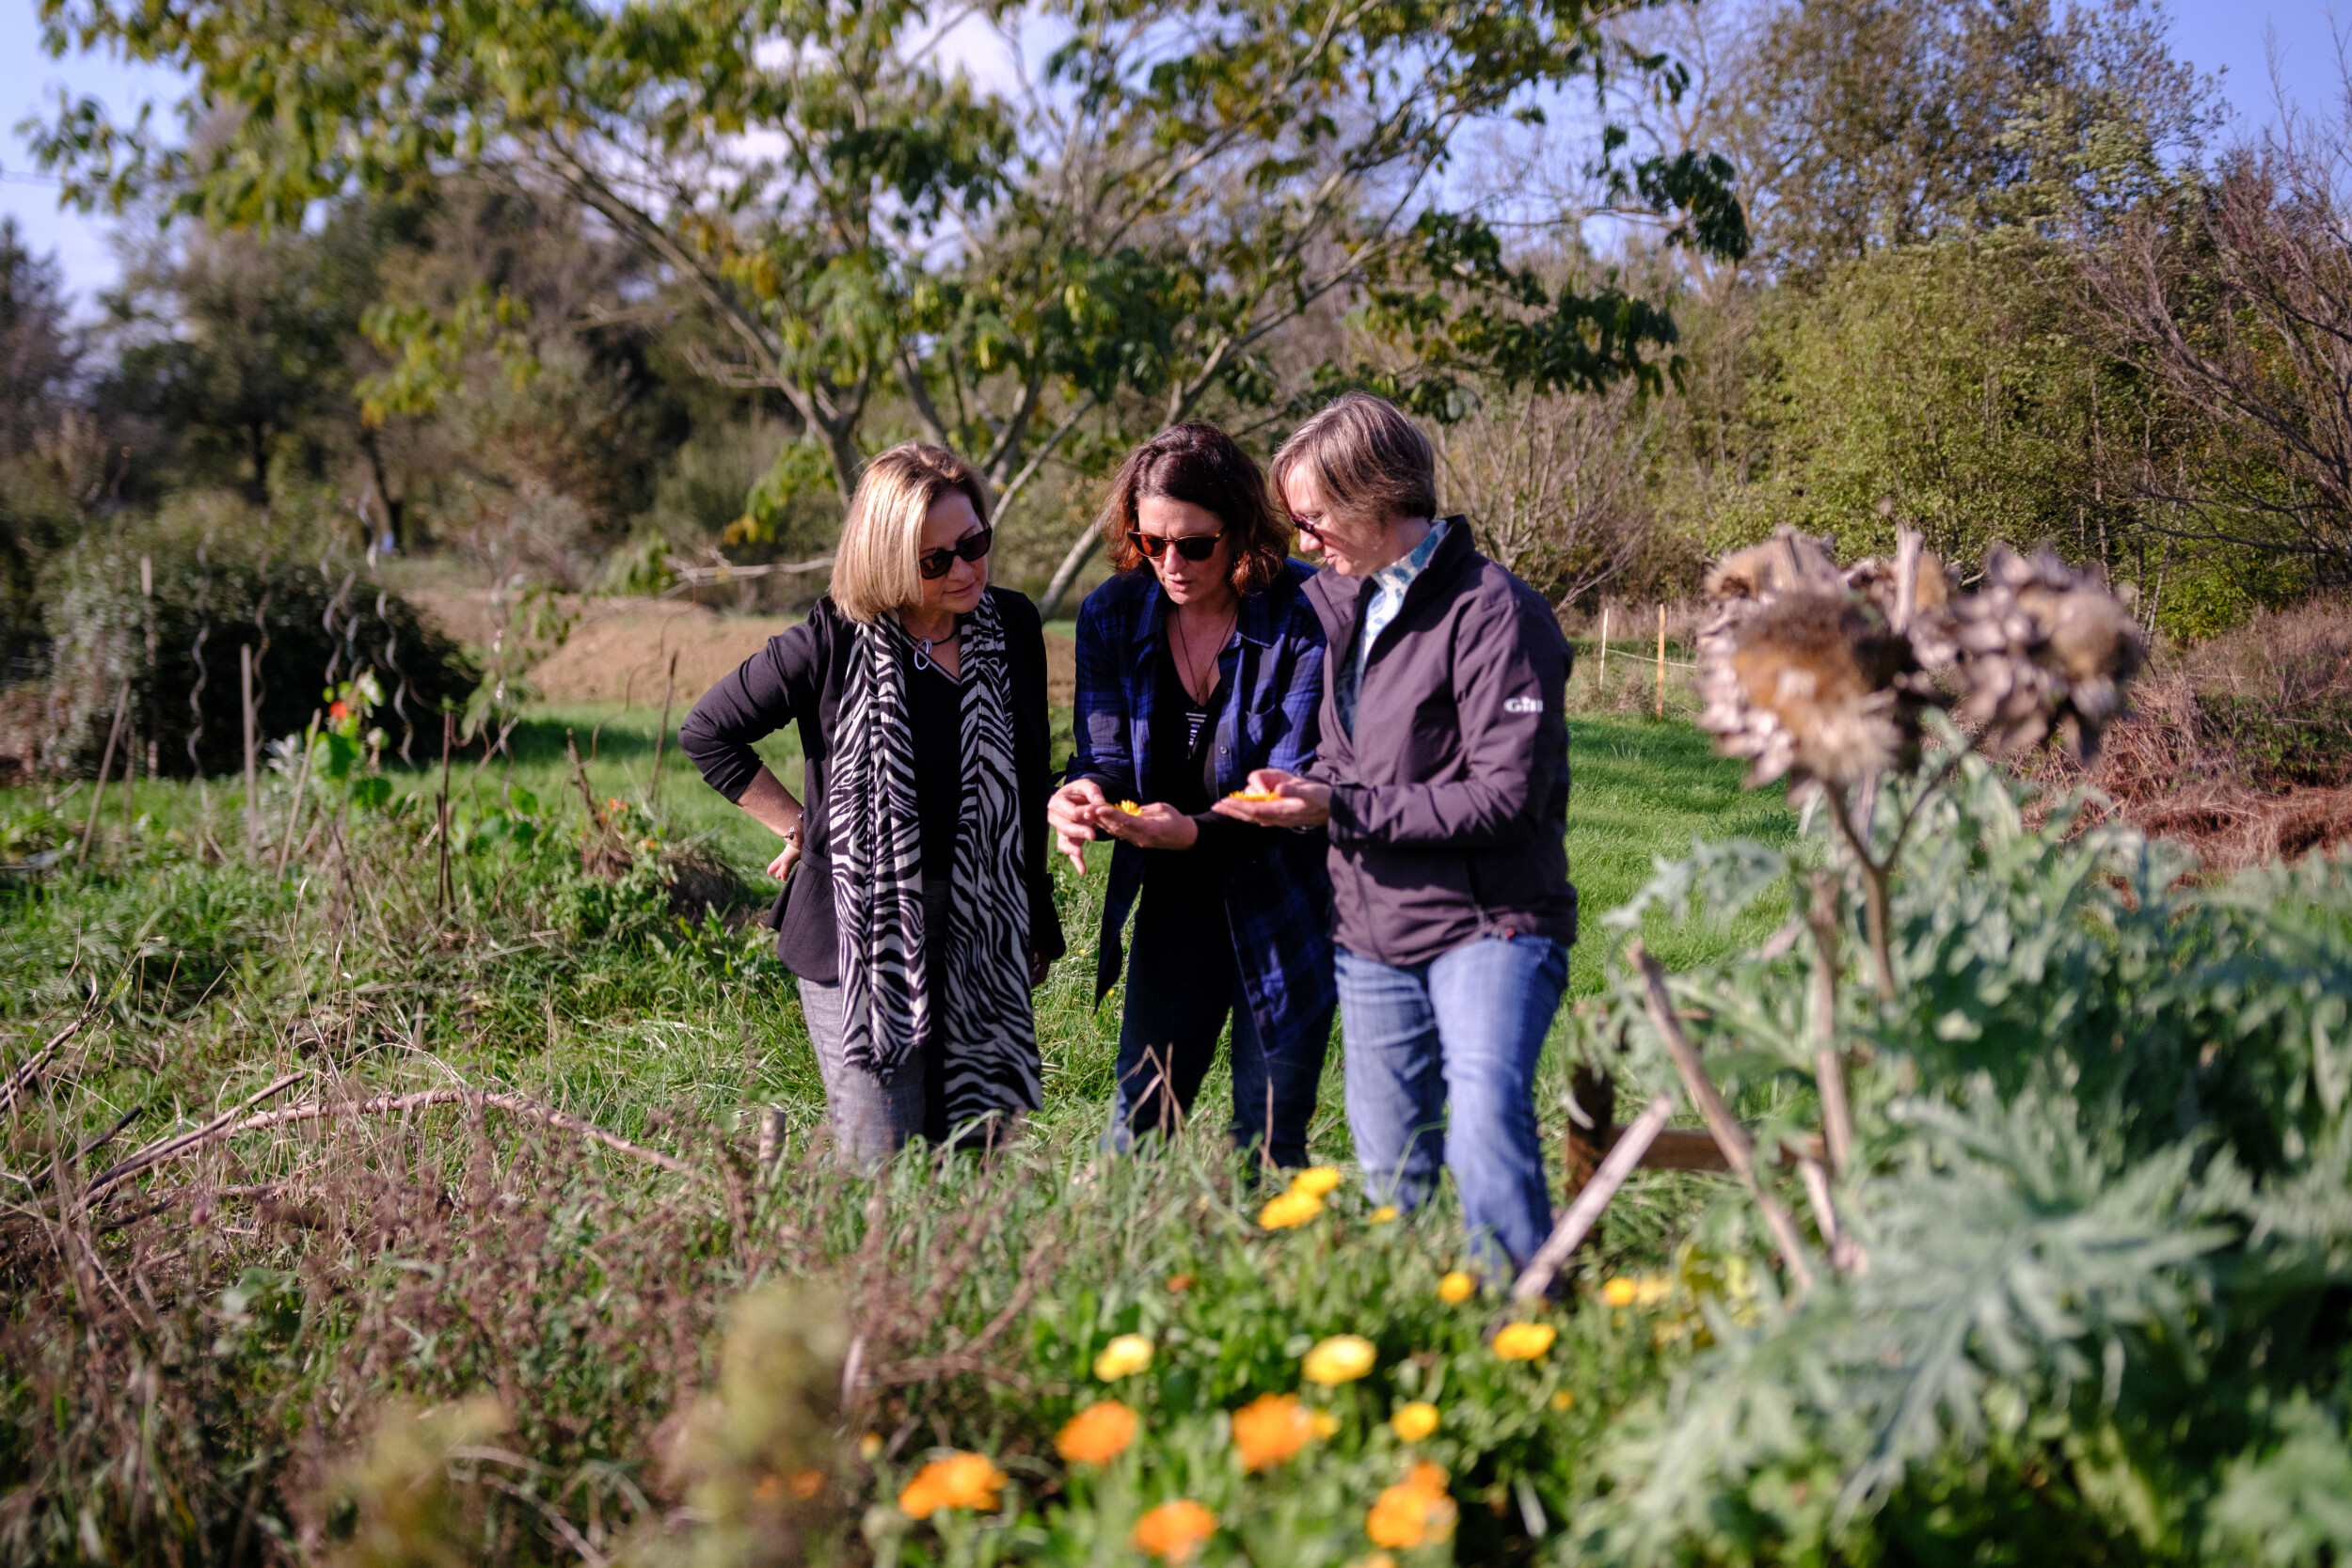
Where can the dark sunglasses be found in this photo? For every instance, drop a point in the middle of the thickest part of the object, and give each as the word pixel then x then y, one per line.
pixel 1194 546
pixel 935 563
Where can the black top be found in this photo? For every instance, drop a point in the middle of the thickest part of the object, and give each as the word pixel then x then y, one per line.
pixel 1182 774
pixel 797 679
pixel 935 710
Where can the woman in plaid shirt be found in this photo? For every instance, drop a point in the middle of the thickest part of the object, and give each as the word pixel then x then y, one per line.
pixel 1200 661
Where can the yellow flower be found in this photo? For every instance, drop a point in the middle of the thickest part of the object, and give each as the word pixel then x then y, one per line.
pixel 1524 1342
pixel 1131 808
pixel 1271 1428
pixel 1096 1434
pixel 1174 1531
pixel 1325 1424
pixel 1383 1214
pixel 1456 1288
pixel 1124 1357
pixel 1620 1291
pixel 869 1446
pixel 958 1481
pixel 1651 1289
pixel 1563 1401
pixel 1412 1422
pixel 1317 1179
pixel 1290 1209
pixel 1378 1560
pixel 1342 1358
pixel 1414 1511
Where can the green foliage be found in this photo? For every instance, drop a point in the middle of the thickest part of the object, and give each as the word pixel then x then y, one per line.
pixel 217 587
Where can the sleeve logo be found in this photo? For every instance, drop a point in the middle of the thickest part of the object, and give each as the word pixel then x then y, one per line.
pixel 1523 704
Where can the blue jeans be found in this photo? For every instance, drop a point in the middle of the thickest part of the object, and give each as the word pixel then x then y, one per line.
pixel 1181 984
pixel 1459 1032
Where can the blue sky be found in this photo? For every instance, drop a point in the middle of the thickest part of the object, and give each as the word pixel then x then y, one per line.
pixel 2233 37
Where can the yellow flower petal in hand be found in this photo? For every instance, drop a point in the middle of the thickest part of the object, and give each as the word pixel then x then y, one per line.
pixel 1383 1214
pixel 1342 1358
pixel 1456 1288
pixel 1096 1434
pixel 1412 1422
pixel 1318 1180
pixel 1174 1531
pixel 1287 1209
pixel 1524 1342
pixel 1124 1357
pixel 1620 1292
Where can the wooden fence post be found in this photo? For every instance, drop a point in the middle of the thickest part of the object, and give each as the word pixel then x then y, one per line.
pixel 1661 658
pixel 98 797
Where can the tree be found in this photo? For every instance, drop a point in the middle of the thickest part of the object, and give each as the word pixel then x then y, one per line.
pixel 37 353
pixel 1860 125
pixel 2236 298
pixel 1113 245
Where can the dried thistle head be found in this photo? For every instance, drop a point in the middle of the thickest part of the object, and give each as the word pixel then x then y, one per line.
pixel 2044 647
pixel 1782 565
pixel 408 1514
pixel 1809 681
pixel 758 1453
pixel 1929 624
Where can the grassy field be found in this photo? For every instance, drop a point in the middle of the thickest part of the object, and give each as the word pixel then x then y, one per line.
pixel 704 1023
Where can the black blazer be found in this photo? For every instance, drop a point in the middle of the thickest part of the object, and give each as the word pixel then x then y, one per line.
pixel 796 679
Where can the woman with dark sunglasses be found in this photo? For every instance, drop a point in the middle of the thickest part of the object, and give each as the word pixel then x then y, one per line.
pixel 923 912
pixel 1198 662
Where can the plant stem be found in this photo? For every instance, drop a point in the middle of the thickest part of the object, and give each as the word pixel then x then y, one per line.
pixel 1829 1071
pixel 1738 1152
pixel 1585 1211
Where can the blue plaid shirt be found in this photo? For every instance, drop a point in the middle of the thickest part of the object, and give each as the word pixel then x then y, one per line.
pixel 1277 892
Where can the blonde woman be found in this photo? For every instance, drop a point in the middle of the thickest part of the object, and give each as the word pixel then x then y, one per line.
pixel 922 912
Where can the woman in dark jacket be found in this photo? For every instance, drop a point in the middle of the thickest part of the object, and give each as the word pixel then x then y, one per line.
pixel 922 912
pixel 1200 661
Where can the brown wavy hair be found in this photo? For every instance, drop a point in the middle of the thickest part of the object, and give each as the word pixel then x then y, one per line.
pixel 1200 465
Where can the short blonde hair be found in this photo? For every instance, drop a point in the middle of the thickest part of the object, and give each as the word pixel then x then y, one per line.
pixel 874 568
pixel 1370 460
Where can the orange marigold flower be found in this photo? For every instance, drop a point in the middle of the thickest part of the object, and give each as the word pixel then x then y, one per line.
pixel 1178 1283
pixel 1271 1428
pixel 958 1481
pixel 1318 1180
pixel 1524 1342
pixel 1412 1422
pixel 1413 1512
pixel 1620 1291
pixel 1456 1288
pixel 1096 1434
pixel 339 710
pixel 805 1485
pixel 1174 1531
pixel 1342 1358
pixel 1287 1209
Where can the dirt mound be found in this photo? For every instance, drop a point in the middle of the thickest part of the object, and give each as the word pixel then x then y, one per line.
pixel 619 651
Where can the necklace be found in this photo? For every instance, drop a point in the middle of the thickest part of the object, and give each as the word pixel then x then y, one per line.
pixel 1184 646
pixel 923 646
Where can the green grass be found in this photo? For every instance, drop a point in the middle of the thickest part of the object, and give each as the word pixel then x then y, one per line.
pixel 706 1023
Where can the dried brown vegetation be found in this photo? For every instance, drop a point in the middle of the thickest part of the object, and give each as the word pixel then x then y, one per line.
pixel 2241 747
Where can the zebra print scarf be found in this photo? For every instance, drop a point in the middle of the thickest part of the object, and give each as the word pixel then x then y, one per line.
pixel 887 955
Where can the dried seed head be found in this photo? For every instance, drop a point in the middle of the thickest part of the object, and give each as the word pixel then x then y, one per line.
pixel 1932 629
pixel 2044 647
pixel 1810 681
pixel 1789 561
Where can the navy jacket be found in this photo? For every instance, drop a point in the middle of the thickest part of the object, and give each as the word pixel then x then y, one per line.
pixel 1277 892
